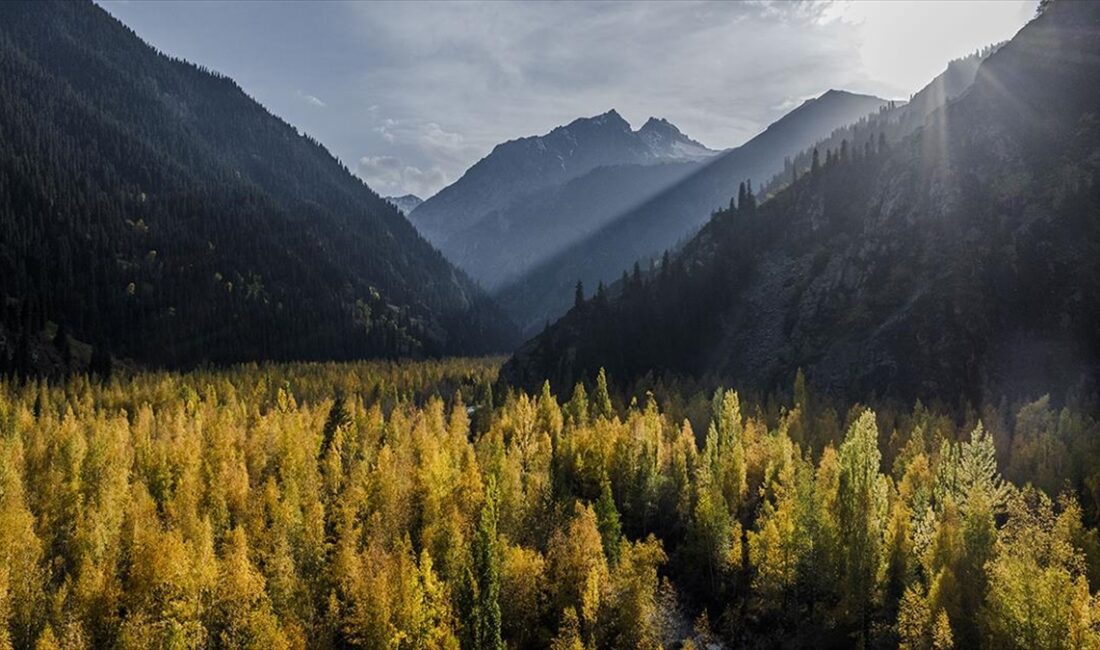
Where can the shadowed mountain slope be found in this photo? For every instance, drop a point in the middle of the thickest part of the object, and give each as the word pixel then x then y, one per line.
pixel 152 208
pixel 963 261
pixel 674 213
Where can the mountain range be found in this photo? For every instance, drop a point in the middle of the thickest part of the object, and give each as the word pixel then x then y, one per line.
pixel 959 263
pixel 672 212
pixel 152 209
pixel 532 197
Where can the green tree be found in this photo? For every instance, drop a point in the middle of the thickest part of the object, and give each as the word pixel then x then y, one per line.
pixel 607 518
pixel 601 399
pixel 487 571
pixel 862 508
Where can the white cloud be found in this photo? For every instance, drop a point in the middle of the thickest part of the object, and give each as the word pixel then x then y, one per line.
pixel 311 99
pixel 388 175
pixel 437 84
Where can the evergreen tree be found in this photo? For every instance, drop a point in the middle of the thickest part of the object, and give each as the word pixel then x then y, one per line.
pixel 601 399
pixel 487 573
pixel 607 518
pixel 337 419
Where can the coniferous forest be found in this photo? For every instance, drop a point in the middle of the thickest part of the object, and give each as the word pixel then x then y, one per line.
pixel 414 505
pixel 244 403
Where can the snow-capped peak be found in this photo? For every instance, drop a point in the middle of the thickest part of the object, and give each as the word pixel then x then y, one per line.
pixel 664 140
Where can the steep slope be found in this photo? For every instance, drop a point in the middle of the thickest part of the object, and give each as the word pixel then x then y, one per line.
pixel 961 262
pixel 531 198
pixel 892 122
pixel 518 167
pixel 675 213
pixel 152 208
pixel 406 203
pixel 509 242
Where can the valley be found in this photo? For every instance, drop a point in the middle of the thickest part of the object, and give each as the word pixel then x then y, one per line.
pixel 834 382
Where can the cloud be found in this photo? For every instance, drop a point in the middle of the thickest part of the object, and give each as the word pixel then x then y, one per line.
pixel 311 99
pixel 436 85
pixel 388 175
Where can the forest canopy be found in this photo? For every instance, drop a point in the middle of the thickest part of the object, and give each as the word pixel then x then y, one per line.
pixel 407 505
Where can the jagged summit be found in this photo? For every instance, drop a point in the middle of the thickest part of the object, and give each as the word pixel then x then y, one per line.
pixel 911 268
pixel 516 168
pixel 659 124
pixel 665 140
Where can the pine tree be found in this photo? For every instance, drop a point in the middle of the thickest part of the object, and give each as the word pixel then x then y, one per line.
pixel 607 517
pixel 487 573
pixel 576 410
pixel 601 399
pixel 337 419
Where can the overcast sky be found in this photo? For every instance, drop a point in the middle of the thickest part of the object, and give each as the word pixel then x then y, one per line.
pixel 410 94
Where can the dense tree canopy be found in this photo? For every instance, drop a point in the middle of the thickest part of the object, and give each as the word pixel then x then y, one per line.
pixel 404 506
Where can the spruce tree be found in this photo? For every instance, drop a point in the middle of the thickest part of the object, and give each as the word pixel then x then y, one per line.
pixel 601 399
pixel 487 574
pixel 607 518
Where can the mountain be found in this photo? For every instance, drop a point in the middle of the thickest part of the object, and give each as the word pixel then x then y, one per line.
pixel 150 207
pixel 508 243
pixel 531 198
pixel 405 204
pixel 961 262
pixel 666 142
pixel 675 212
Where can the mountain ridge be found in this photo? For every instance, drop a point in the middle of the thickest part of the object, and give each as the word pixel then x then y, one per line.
pixel 675 212
pixel 157 211
pixel 924 269
pixel 406 203
pixel 500 218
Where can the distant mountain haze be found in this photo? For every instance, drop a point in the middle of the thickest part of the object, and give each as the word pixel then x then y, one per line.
pixel 528 199
pixel 406 203
pixel 153 209
pixel 961 263
pixel 674 212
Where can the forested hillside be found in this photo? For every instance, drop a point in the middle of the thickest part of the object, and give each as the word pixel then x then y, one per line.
pixel 382 505
pixel 958 263
pixel 150 208
pixel 892 122
pixel 664 219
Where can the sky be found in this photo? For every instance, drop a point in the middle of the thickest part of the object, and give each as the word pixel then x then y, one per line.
pixel 410 94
